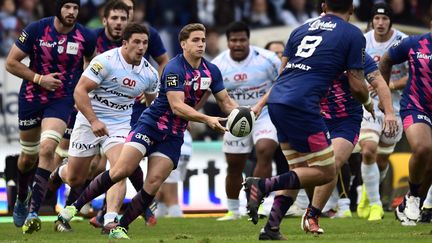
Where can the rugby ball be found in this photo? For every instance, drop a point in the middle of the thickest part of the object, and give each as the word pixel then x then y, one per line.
pixel 240 121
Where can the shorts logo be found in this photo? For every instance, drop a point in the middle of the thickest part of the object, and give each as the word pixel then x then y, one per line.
pixel 29 122
pixel 82 146
pixel 172 80
pixel 425 118
pixel 96 67
pixel 143 137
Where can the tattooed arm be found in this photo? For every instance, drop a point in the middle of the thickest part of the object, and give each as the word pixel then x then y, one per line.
pixel 359 89
pixel 383 91
pixel 385 66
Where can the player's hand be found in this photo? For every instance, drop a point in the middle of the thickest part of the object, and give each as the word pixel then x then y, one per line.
pixel 141 98
pixel 99 129
pixel 391 126
pixel 372 91
pixel 257 110
pixel 50 82
pixel 215 123
pixel 370 108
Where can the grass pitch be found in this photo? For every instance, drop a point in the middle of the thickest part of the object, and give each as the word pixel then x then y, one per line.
pixel 207 230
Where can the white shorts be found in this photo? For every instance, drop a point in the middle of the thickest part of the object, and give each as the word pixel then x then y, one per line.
pixel 83 143
pixel 263 128
pixel 179 174
pixel 377 127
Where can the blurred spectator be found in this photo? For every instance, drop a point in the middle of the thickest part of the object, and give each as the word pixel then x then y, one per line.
pixel 277 47
pixel 205 11
pixel 9 25
pixel 227 11
pixel 212 44
pixel 96 21
pixel 259 16
pixel 296 12
pixel 27 11
pixel 402 13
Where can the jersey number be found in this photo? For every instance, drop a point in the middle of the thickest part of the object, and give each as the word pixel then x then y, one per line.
pixel 308 45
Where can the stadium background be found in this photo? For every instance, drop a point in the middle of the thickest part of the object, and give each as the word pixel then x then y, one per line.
pixel 203 190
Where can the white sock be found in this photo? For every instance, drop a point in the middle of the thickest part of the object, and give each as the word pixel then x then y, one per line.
pixel 60 171
pixel 109 217
pixel 233 205
pixel 332 202
pixel 302 200
pixel 161 210
pixel 371 175
pixel 383 173
pixel 175 211
pixel 344 204
pixel 428 201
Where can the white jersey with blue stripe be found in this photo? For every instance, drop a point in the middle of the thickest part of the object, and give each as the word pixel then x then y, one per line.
pixel 248 80
pixel 118 85
pixel 376 50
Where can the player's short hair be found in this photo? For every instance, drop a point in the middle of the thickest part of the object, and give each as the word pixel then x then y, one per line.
pixel 188 29
pixel 237 26
pixel 339 6
pixel 115 5
pixel 134 28
pixel 267 46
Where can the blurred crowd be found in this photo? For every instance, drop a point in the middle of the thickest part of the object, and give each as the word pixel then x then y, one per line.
pixel 169 15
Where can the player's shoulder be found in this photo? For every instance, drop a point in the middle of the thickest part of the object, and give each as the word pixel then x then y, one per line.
pixel 221 58
pixel 108 57
pixel 86 32
pixel 400 35
pixel 211 66
pixel 174 65
pixel 98 31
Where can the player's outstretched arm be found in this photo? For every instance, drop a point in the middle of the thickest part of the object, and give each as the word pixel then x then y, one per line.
pixel 385 66
pixel 359 89
pixel 384 94
pixel 225 102
pixel 179 108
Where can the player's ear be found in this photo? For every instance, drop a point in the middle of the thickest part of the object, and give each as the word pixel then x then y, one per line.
pixel 104 22
pixel 183 44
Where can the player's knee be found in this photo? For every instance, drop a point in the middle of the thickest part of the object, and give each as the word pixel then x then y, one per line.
pixel 75 180
pixel 422 150
pixel 154 182
pixel 369 153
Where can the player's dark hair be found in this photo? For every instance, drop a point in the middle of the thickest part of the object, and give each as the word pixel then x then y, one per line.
pixel 267 46
pixel 134 28
pixel 339 6
pixel 188 29
pixel 237 26
pixel 115 5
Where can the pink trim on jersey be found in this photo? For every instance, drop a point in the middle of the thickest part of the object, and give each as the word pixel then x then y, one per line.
pixel 413 94
pixel 187 85
pixel 162 122
pixel 356 139
pixel 407 122
pixel 318 142
pixel 176 127
pixel 129 137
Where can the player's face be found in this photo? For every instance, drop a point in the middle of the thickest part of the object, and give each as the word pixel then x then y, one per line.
pixel 277 48
pixel 238 43
pixel 116 23
pixel 195 45
pixel 381 24
pixel 136 47
pixel 69 14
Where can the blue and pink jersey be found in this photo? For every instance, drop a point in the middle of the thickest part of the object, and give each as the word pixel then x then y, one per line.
pixel 179 75
pixel 318 52
pixel 417 94
pixel 49 52
pixel 104 44
pixel 339 102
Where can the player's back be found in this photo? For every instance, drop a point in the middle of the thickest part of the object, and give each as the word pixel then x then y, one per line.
pixel 317 52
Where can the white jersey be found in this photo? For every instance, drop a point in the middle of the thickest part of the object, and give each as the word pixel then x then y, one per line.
pixel 376 50
pixel 248 80
pixel 119 84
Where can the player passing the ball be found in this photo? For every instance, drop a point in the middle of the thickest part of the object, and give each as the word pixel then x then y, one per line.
pixel 159 131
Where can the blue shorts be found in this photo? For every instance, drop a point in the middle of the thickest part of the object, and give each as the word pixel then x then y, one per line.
pixel 155 141
pixel 305 132
pixel 347 128
pixel 70 124
pixel 411 116
pixel 30 114
pixel 137 110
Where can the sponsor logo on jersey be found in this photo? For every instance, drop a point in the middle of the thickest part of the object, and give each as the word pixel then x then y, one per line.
pixel 172 80
pixel 23 37
pixel 423 56
pixel 298 66
pixel 240 77
pixel 47 44
pixel 96 67
pixel 129 82
pixel 323 25
pixel 72 48
pixel 112 104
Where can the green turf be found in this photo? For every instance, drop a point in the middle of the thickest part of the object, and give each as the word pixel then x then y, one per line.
pixel 206 230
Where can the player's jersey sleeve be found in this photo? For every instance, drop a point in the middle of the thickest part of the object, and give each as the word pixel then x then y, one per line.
pixel 98 69
pixel 276 63
pixel 370 65
pixel 172 77
pixel 90 44
pixel 27 37
pixel 217 83
pixel 155 48
pixel 356 50
pixel 399 51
